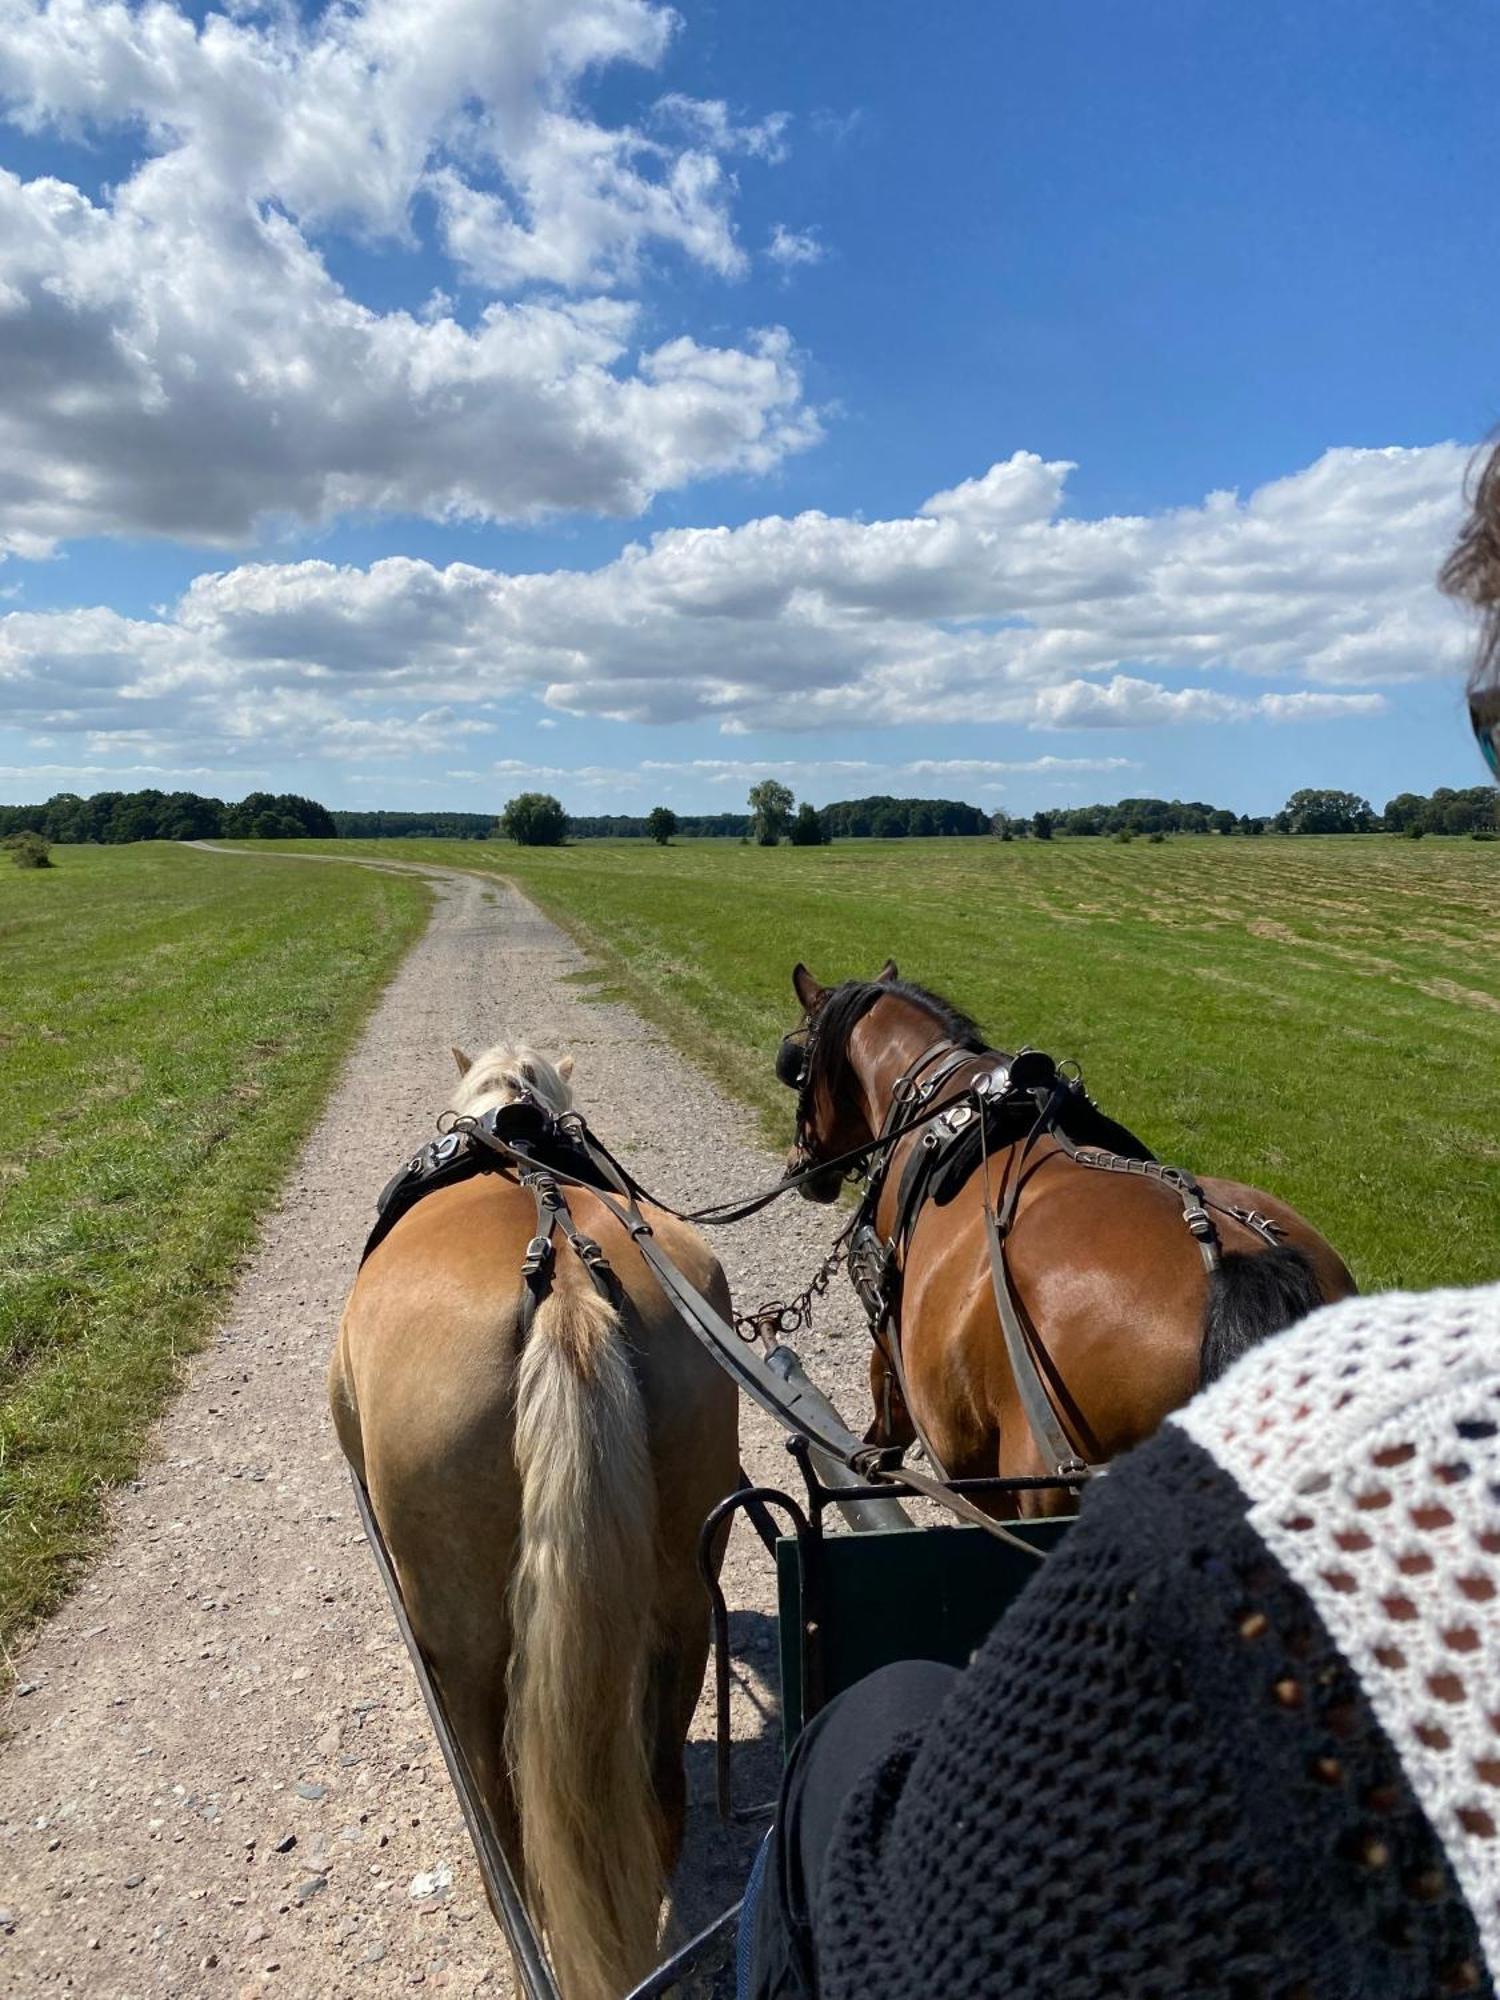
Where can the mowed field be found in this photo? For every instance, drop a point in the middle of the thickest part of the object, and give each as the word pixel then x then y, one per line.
pixel 169 1022
pixel 1320 1017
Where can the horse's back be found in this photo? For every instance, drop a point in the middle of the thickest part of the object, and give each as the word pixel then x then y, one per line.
pixel 1107 1271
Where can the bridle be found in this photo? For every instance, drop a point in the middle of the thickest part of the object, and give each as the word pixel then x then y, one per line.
pixel 797 1069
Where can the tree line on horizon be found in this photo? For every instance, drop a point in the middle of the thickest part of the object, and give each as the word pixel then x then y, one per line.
pixel 536 818
pixel 112 818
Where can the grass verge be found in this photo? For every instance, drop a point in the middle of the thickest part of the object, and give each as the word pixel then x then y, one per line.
pixel 169 1027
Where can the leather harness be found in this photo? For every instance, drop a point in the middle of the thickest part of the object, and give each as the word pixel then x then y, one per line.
pixel 548 1154
pixel 1012 1104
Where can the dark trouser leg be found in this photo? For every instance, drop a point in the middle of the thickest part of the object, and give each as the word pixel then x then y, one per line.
pixel 835 1750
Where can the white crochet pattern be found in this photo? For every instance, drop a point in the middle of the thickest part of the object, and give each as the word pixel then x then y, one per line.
pixel 1367 1440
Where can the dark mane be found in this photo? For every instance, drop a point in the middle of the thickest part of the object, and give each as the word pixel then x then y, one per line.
pixel 847 1004
pixel 1472 571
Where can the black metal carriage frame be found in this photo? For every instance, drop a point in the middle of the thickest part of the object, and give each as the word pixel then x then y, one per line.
pixel 834 1593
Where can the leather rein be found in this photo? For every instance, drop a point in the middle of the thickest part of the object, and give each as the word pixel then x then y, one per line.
pixel 546 1182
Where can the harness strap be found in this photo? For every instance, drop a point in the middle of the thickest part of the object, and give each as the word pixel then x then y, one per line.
pixel 1020 1337
pixel 1195 1203
pixel 771 1382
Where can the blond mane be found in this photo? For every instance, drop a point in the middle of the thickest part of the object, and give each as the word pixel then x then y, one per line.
pixel 507 1072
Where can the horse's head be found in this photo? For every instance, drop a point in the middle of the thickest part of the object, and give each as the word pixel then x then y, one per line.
pixel 813 1060
pixel 508 1073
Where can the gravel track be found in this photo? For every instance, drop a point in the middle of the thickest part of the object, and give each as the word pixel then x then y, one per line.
pixel 228 1680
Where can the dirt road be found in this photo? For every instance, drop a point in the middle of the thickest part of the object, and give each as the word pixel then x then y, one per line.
pixel 220 1779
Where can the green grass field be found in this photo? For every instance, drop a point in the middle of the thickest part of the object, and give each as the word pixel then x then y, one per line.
pixel 169 1024
pixel 1319 1017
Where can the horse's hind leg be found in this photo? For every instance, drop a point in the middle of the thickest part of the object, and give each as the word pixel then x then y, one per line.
pixel 679 1655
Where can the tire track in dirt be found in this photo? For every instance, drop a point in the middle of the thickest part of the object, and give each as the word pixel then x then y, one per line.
pixel 228 1678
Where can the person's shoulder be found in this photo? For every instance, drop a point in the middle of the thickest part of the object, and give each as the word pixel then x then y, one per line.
pixel 1366 1445
pixel 1367 1375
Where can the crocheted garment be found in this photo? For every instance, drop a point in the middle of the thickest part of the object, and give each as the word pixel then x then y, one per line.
pixel 1239 1737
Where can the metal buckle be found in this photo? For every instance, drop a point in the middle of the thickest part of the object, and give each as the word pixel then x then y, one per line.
pixel 538 1256
pixel 591 1253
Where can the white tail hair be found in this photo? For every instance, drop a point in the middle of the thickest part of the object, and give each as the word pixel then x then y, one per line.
pixel 582 1621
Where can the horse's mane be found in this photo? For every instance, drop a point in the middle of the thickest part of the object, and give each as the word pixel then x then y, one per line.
pixel 848 1003
pixel 506 1072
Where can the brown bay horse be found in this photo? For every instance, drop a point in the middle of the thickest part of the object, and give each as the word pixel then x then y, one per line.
pixel 1111 1283
pixel 541 1496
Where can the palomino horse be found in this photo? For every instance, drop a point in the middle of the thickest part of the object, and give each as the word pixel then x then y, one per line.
pixel 1122 1312
pixel 541 1498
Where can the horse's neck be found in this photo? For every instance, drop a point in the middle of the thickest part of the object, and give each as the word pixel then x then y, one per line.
pixel 883 1047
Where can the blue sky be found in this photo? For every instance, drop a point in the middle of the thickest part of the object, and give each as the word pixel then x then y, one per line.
pixel 371 389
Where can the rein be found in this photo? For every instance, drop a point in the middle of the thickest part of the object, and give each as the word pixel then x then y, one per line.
pixel 768 1382
pixel 723 1214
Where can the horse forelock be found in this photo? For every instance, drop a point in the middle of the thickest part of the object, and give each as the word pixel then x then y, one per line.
pixel 506 1073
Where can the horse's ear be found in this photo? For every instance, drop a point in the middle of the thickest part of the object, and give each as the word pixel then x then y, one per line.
pixel 565 1067
pixel 809 993
pixel 465 1063
pixel 887 973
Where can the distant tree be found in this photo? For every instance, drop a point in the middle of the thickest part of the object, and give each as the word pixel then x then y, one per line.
pixel 1326 812
pixel 1002 826
pixel 186 816
pixel 807 828
pixel 1041 825
pixel 661 824
pixel 771 806
pixel 922 824
pixel 1404 811
pixel 29 849
pixel 889 822
pixel 1251 825
pixel 138 816
pixel 534 819
pixel 271 816
pixel 1222 821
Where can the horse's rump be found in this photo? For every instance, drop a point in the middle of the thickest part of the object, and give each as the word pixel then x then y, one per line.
pixel 532 1488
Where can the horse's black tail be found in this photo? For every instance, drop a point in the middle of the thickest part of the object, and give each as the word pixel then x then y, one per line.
pixel 1249 1296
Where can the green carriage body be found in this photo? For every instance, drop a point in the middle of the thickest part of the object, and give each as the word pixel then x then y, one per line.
pixel 851 1603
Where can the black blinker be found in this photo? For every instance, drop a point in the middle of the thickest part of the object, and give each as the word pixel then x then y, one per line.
pixel 791 1062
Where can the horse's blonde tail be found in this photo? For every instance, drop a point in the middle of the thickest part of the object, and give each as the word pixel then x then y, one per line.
pixel 582 1618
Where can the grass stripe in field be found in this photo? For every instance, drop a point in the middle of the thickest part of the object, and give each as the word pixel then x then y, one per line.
pixel 169 1024
pixel 1317 1016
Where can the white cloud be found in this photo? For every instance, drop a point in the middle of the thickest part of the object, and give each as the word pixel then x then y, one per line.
pixel 177 358
pixel 1126 703
pixel 732 770
pixel 987 606
pixel 712 123
pixel 789 247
